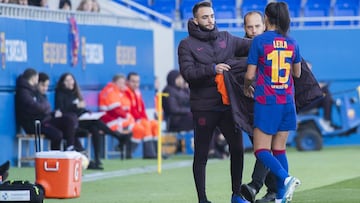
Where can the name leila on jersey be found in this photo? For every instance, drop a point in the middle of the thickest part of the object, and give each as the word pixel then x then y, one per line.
pixel 280 44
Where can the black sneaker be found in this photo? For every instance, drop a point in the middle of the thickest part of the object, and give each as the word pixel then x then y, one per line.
pixel 94 166
pixel 268 197
pixel 248 192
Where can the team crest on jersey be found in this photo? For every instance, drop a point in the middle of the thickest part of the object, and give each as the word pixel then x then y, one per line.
pixel 222 44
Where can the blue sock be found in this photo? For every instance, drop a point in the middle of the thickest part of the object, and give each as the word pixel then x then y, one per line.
pixel 280 155
pixel 271 163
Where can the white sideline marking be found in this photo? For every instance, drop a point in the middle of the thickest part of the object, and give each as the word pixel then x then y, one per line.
pixel 133 171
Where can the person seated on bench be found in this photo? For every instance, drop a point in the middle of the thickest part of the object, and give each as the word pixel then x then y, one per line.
pixel 68 99
pixel 176 105
pixel 31 105
pixel 138 112
pixel 325 103
pixel 116 105
pixel 43 87
pixel 4 170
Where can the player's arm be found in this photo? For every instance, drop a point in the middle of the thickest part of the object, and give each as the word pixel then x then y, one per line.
pixel 296 70
pixel 248 80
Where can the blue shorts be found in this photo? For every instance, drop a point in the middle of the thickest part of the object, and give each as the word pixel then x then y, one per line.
pixel 272 118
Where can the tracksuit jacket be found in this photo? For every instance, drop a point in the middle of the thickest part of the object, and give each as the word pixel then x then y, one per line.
pixel 307 90
pixel 198 55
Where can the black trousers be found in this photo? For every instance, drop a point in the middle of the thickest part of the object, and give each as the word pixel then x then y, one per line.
pixel 97 128
pixel 56 129
pixel 205 123
pixel 262 175
pixel 327 103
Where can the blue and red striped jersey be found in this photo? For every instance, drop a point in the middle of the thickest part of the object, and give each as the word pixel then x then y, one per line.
pixel 274 56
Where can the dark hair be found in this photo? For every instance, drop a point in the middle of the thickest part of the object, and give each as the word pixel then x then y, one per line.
pixel 28 73
pixel 117 77
pixel 131 74
pixel 200 5
pixel 253 12
pixel 278 15
pixel 43 77
pixel 63 2
pixel 60 86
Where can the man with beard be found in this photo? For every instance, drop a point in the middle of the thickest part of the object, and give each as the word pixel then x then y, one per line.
pixel 202 56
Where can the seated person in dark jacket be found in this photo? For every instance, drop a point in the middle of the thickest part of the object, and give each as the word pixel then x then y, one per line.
pixel 4 170
pixel 325 103
pixel 176 106
pixel 68 99
pixel 30 105
pixel 43 87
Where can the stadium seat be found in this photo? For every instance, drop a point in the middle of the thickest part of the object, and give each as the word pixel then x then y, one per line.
pixel 346 8
pixel 224 9
pixel 251 5
pixel 167 8
pixel 294 7
pixel 186 9
pixel 186 13
pixel 294 10
pixel 317 8
pixel 221 3
pixel 225 13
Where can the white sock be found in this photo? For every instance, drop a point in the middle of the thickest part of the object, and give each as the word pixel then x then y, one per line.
pixel 70 148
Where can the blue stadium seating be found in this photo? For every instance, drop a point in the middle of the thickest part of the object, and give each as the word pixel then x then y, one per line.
pixel 346 8
pixel 227 9
pixel 186 9
pixel 294 10
pixel 225 13
pixel 294 7
pixel 251 5
pixel 165 7
pixel 224 9
pixel 186 13
pixel 317 8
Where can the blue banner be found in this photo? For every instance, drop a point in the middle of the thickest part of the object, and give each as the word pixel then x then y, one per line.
pixel 101 51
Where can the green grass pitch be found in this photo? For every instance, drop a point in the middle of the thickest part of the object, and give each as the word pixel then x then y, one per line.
pixel 328 176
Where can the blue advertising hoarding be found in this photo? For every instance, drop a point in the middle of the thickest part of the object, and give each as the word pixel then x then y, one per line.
pixel 93 54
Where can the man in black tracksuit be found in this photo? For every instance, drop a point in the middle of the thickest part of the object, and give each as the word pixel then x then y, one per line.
pixel 201 56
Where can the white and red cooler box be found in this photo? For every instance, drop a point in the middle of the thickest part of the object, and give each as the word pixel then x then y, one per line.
pixel 59 173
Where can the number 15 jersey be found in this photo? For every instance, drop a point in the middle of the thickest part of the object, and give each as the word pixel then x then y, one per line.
pixel 274 56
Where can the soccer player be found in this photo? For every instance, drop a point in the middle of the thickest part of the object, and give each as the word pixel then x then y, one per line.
pixel 273 56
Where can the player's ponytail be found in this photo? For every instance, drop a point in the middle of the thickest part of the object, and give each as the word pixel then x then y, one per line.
pixel 278 15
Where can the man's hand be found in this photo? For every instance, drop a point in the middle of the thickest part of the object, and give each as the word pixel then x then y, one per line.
pixel 221 67
pixel 249 91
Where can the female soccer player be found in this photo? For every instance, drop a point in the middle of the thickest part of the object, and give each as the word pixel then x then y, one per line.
pixel 273 59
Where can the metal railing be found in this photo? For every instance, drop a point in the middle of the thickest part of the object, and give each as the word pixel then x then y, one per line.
pixel 149 13
pixel 142 21
pixel 296 23
pixel 43 14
